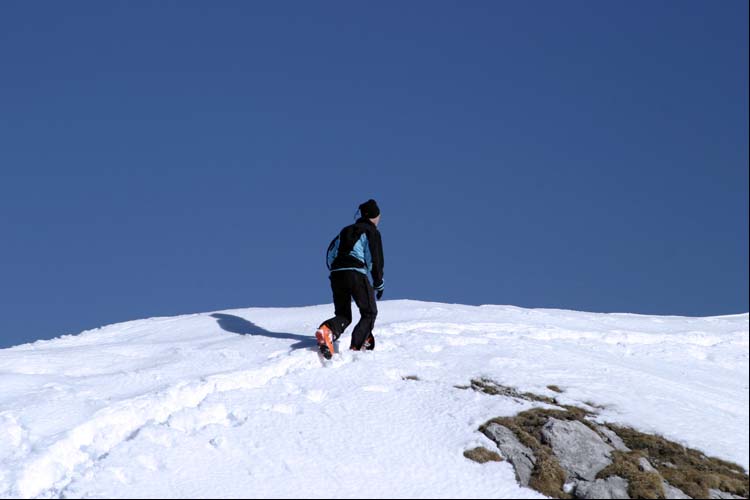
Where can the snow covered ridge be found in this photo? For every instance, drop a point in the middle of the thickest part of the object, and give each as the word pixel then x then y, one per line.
pixel 237 403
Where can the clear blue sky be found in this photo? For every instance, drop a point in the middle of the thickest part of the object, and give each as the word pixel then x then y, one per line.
pixel 159 158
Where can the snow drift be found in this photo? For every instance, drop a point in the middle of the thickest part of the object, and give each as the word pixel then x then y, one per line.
pixel 238 404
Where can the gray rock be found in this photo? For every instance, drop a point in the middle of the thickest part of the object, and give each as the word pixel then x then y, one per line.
pixel 582 453
pixel 646 466
pixel 720 494
pixel 611 438
pixel 522 457
pixel 670 492
pixel 612 487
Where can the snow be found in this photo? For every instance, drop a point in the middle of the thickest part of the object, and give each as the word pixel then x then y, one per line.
pixel 237 403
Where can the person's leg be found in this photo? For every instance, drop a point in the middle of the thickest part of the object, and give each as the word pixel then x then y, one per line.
pixel 342 302
pixel 364 297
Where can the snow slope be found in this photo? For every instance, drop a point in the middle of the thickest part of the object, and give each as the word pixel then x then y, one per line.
pixel 237 403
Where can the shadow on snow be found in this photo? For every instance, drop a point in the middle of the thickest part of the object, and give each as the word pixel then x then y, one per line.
pixel 241 326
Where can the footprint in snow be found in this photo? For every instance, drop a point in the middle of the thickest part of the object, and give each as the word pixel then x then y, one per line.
pixel 316 395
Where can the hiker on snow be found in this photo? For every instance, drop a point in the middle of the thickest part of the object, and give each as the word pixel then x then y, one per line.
pixel 356 251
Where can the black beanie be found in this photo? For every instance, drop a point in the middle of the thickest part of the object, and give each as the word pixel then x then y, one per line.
pixel 369 209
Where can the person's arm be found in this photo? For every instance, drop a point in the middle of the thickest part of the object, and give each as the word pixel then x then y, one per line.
pixel 333 251
pixel 376 251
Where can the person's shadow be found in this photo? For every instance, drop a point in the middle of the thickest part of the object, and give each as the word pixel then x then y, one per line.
pixel 241 326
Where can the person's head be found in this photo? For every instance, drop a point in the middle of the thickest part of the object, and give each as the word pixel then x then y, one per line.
pixel 370 210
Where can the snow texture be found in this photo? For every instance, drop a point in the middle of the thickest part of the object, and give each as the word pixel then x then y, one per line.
pixel 238 404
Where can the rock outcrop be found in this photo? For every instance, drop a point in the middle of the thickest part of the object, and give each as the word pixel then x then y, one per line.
pixel 522 457
pixel 612 487
pixel 582 453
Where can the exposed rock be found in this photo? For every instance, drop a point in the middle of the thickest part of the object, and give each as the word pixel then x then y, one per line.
pixel 646 466
pixel 720 494
pixel 611 438
pixel 513 450
pixel 562 453
pixel 670 492
pixel 492 388
pixel 612 487
pixel 581 451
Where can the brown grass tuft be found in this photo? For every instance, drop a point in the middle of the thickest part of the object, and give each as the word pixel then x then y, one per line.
pixel 482 455
pixel 641 484
pixel 685 468
pixel 492 388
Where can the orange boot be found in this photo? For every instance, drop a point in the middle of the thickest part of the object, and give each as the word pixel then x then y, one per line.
pixel 324 335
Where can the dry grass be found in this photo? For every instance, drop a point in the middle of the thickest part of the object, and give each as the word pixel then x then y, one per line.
pixel 492 388
pixel 554 388
pixel 547 477
pixel 595 405
pixel 641 484
pixel 410 377
pixel 482 455
pixel 532 421
pixel 685 468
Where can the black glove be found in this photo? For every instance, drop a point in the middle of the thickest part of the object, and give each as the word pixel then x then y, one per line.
pixel 379 294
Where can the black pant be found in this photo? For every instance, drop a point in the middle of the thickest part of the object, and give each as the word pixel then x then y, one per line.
pixel 345 286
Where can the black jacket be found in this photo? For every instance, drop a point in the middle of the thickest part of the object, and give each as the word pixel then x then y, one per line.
pixel 360 248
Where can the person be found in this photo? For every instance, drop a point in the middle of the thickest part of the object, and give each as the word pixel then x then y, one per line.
pixel 355 252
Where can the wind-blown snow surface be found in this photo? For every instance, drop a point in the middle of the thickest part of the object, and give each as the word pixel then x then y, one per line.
pixel 238 404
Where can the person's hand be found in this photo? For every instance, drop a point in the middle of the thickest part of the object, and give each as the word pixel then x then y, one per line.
pixel 379 294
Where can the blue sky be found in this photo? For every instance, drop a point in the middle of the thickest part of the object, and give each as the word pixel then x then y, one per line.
pixel 159 158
